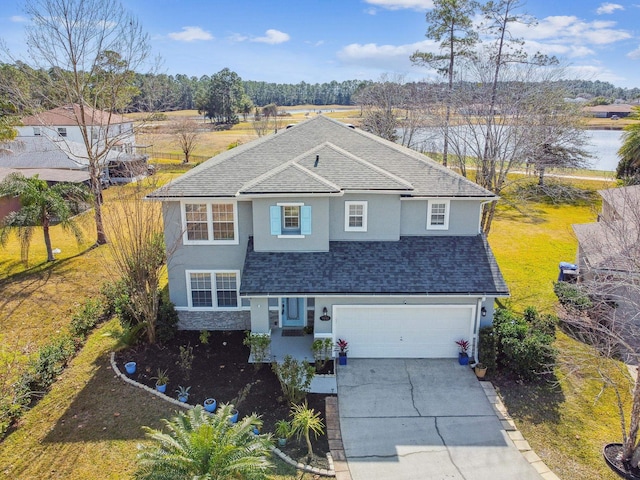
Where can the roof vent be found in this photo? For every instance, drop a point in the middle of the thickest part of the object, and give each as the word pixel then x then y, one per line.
pixel 315 164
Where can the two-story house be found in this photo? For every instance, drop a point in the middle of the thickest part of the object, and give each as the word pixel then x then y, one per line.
pixel 325 226
pixel 53 139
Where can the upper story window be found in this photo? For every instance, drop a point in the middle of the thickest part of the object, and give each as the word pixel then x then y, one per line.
pixel 62 131
pixel 355 216
pixel 210 223
pixel 213 289
pixel 438 215
pixel 291 220
pixel 36 131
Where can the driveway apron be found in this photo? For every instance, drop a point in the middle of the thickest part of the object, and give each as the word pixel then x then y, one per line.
pixel 404 419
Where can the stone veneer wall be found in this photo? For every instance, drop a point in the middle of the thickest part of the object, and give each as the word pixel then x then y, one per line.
pixel 236 320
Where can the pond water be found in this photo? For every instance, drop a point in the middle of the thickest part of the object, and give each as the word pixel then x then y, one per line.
pixel 604 145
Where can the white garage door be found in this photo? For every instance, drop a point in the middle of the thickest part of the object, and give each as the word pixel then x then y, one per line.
pixel 403 331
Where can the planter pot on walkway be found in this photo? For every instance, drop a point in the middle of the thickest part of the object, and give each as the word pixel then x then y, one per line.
pixel 612 453
pixel 342 359
pixel 130 367
pixel 463 359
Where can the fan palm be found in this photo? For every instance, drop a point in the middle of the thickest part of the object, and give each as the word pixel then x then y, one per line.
pixel 198 445
pixel 629 153
pixel 41 205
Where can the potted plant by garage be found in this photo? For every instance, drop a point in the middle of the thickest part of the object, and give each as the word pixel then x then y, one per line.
pixel 210 405
pixel 480 369
pixel 183 393
pixel 463 356
pixel 283 432
pixel 342 346
pixel 161 380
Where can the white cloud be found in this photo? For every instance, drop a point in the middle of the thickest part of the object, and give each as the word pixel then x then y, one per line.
pixel 402 4
pixel 634 54
pixel 571 30
pixel 18 19
pixel 272 37
pixel 237 37
pixel 608 8
pixel 191 34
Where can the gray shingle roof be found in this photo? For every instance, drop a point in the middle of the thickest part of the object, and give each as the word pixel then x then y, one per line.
pixel 429 265
pixel 348 158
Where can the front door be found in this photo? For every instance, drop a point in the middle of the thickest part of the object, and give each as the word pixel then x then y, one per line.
pixel 293 312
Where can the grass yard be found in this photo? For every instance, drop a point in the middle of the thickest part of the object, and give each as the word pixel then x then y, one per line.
pixel 564 424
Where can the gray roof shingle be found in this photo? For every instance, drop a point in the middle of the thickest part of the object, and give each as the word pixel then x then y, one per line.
pixel 421 265
pixel 349 158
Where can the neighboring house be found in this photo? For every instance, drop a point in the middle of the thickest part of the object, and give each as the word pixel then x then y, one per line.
pixel 331 228
pixel 62 122
pixel 608 111
pixel 611 247
pixel 47 138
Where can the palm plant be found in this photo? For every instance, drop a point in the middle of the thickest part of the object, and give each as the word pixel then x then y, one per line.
pixel 305 420
pixel 41 206
pixel 629 153
pixel 202 445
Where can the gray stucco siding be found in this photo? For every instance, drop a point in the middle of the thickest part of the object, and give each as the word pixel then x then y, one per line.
pixel 463 218
pixel 383 217
pixel 318 241
pixel 201 257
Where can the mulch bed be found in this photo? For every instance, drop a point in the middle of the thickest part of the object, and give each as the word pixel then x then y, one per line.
pixel 220 370
pixel 613 454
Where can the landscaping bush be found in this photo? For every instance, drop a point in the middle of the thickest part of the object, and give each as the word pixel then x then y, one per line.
pixel 167 322
pixel 524 347
pixel 50 362
pixel 89 315
pixel 295 378
pixel 487 348
pixel 571 297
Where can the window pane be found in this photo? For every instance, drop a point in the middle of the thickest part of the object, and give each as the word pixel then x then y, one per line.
pixel 291 217
pixel 196 217
pixel 201 293
pixel 356 216
pixel 226 290
pixel 438 213
pixel 223 226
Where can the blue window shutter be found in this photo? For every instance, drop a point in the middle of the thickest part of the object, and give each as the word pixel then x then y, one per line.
pixel 305 220
pixel 276 220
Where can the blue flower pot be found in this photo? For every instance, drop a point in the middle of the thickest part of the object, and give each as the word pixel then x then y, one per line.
pixel 234 416
pixel 183 398
pixel 130 367
pixel 342 359
pixel 161 388
pixel 463 359
pixel 210 405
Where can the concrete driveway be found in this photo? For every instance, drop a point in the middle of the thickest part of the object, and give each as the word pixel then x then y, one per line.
pixel 422 419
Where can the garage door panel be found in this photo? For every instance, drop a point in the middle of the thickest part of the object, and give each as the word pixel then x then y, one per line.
pixel 404 331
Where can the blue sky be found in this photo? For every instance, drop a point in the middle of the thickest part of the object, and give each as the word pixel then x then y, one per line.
pixel 316 41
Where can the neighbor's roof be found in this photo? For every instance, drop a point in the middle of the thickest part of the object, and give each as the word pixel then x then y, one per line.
pixel 44 152
pixel 624 200
pixel 322 156
pixel 68 115
pixel 48 174
pixel 420 265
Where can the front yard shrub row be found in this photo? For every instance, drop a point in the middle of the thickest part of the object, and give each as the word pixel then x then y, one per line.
pixel 295 378
pixel 48 363
pixel 524 344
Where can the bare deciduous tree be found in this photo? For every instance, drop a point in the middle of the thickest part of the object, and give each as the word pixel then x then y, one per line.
pixel 186 131
pixel 91 49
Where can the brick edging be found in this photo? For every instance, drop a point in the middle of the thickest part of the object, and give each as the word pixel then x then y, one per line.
pixel 336 448
pixel 514 434
pixel 283 456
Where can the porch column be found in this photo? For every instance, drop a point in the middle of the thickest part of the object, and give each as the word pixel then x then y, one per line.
pixel 260 315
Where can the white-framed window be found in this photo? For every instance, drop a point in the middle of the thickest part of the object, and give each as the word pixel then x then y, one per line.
pixel 213 289
pixel 438 215
pixel 290 220
pixel 36 131
pixel 210 223
pixel 62 131
pixel 355 216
